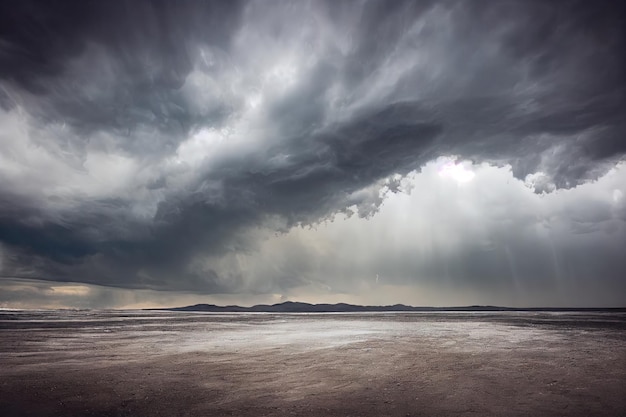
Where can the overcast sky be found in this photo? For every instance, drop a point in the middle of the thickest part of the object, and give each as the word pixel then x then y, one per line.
pixel 375 152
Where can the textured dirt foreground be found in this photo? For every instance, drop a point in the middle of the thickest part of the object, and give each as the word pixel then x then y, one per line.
pixel 381 364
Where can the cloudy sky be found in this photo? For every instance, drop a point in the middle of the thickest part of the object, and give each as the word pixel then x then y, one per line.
pixel 444 152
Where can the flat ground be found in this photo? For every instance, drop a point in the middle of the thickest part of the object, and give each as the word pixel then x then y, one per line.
pixel 89 363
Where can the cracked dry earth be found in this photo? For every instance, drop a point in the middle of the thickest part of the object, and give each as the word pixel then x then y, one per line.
pixel 147 363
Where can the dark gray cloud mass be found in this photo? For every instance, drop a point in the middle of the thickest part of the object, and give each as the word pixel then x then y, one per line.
pixel 139 138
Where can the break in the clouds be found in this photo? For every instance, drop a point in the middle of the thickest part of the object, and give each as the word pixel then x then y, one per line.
pixel 189 146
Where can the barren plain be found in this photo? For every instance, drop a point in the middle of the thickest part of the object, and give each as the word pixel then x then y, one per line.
pixel 151 363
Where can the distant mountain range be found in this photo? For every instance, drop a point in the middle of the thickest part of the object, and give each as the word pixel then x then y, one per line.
pixel 295 307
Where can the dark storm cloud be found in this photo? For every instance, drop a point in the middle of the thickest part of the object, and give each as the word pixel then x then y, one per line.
pixel 149 134
pixel 114 66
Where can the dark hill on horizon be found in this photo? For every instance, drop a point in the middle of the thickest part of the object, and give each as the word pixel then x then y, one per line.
pixel 298 307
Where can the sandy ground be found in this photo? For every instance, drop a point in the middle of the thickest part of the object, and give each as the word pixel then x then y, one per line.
pixel 379 364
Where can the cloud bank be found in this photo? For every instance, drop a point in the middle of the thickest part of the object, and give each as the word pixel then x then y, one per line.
pixel 152 145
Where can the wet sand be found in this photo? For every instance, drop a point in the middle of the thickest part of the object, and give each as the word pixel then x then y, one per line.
pixel 131 363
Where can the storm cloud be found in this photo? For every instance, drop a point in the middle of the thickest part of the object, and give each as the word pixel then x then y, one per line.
pixel 156 145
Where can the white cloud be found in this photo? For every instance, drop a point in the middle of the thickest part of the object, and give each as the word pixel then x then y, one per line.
pixel 422 243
